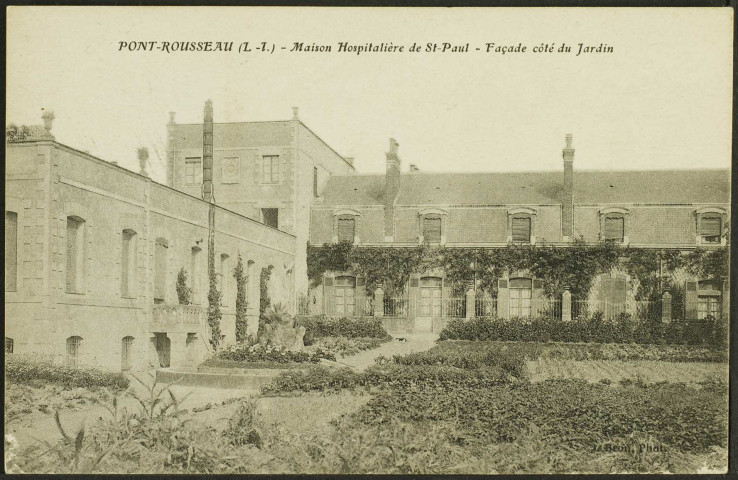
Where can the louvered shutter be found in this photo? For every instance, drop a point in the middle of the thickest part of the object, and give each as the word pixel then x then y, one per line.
pixel 690 300
pixel 521 229
pixel 328 295
pixel 710 227
pixel 614 228
pixel 346 229
pixel 432 230
pixel 502 298
pixel 11 251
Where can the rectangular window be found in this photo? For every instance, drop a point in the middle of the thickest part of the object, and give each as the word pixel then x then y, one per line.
pixel 614 229
pixel 193 171
pixel 270 169
pixel 75 255
pixel 11 251
pixel 708 306
pixel 315 181
pixel 160 271
pixel 710 229
pixel 127 262
pixel 432 230
pixel 270 217
pixel 345 290
pixel 346 229
pixel 521 229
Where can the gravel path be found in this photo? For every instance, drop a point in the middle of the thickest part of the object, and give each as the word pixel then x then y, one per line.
pixel 416 342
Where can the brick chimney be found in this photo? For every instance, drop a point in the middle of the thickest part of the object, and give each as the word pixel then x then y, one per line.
pixel 48 118
pixel 391 189
pixel 143 158
pixel 567 220
pixel 207 153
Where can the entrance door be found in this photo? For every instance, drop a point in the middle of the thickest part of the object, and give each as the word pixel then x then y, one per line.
pixel 163 348
pixel 429 305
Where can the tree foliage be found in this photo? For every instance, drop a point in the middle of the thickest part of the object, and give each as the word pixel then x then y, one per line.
pixel 241 300
pixel 214 313
pixel 184 292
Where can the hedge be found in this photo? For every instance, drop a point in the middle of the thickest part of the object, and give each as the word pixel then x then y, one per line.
pixel 323 326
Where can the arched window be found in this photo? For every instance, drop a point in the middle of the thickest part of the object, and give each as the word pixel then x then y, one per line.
pixel 709 299
pixel 75 255
pixel 196 273
pixel 711 223
pixel 346 225
pixel 345 295
pixel 521 292
pixel 614 224
pixel 73 350
pixel 521 225
pixel 431 228
pixel 160 269
pixel 9 345
pixel 11 251
pixel 126 353
pixel 128 263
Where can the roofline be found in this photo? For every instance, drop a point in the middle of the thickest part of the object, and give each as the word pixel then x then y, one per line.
pixel 528 172
pixel 143 177
pixel 278 121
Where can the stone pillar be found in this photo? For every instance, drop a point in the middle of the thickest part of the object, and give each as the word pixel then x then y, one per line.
pixel 566 305
pixel 666 307
pixel 177 349
pixel 379 302
pixel 470 303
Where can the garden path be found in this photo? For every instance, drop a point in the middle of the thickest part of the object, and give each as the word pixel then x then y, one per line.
pixel 415 342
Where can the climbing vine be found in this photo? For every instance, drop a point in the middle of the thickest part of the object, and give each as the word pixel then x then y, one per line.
pixel 241 302
pixel 184 293
pixel 264 300
pixel 214 314
pixel 574 266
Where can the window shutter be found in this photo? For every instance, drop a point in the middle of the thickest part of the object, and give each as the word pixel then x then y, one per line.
pixel 521 229
pixel 614 228
pixel 346 229
pixel 71 255
pixel 160 264
pixel 690 300
pixel 432 230
pixel 503 298
pixel 710 226
pixel 328 295
pixel 11 251
pixel 125 247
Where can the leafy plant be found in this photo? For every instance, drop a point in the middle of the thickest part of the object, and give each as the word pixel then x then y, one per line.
pixel 241 301
pixel 214 296
pixel 184 292
pixel 156 400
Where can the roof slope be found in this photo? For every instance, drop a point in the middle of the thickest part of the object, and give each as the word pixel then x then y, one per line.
pixel 535 188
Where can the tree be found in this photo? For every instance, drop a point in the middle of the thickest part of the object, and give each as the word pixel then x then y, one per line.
pixel 184 293
pixel 214 314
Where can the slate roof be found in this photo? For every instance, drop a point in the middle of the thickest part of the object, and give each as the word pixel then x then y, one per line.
pixel 535 188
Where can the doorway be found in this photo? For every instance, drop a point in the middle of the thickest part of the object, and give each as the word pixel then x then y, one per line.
pixel 163 349
pixel 429 304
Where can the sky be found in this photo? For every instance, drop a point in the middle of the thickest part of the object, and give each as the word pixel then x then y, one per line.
pixel 661 99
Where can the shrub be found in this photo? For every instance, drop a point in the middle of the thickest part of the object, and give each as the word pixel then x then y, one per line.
pixel 594 328
pixel 270 353
pixel 37 371
pixel 323 326
pixel 347 346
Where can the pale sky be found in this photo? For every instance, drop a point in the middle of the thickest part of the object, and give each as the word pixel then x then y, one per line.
pixel 661 100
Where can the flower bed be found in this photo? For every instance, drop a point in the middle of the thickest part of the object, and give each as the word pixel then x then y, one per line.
pixel 39 371
pixel 270 353
pixel 322 326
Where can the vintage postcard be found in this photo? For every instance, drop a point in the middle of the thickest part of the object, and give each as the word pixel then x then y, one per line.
pixel 367 240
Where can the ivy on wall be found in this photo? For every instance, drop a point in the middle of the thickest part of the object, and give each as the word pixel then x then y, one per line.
pixel 184 293
pixel 241 302
pixel 214 313
pixel 574 266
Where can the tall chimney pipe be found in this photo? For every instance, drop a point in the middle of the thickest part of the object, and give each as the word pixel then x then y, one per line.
pixel 391 189
pixel 567 221
pixel 207 153
pixel 143 158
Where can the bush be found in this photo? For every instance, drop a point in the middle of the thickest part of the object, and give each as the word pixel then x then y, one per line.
pixel 388 375
pixel 348 346
pixel 323 326
pixel 594 328
pixel 37 371
pixel 269 353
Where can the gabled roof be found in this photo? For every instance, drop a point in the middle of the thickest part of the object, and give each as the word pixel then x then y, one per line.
pixel 535 188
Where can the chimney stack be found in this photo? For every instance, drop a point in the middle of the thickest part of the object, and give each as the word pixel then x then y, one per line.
pixel 48 118
pixel 567 222
pixel 143 158
pixel 391 189
pixel 207 153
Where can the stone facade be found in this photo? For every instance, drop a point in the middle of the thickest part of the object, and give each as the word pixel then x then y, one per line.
pixel 98 249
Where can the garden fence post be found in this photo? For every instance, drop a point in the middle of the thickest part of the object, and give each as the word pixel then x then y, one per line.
pixel 379 302
pixel 666 307
pixel 566 305
pixel 470 303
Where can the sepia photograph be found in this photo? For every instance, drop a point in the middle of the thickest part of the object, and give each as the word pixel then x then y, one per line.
pixel 322 240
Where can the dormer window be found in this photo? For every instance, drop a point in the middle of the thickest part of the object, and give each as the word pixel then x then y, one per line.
pixel 710 224
pixel 613 225
pixel 346 226
pixel 431 227
pixel 521 224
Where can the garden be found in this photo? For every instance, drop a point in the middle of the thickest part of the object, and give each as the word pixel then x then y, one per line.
pixel 463 406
